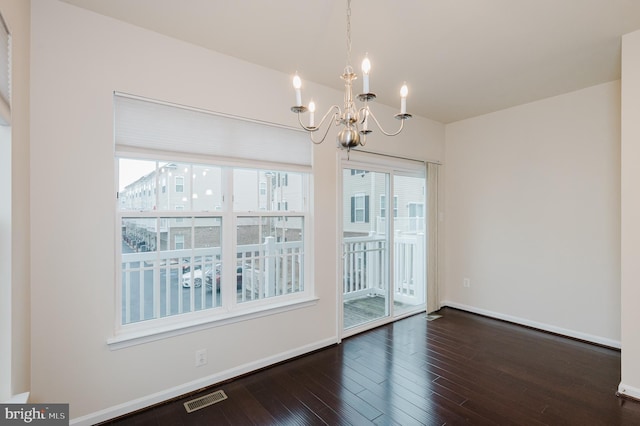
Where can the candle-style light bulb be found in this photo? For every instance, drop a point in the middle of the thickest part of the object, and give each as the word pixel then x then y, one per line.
pixel 404 91
pixel 297 84
pixel 312 109
pixel 366 68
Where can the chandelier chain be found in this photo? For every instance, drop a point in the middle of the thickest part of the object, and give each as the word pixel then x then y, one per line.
pixel 349 33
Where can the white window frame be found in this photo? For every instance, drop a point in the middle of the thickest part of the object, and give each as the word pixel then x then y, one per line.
pixel 232 310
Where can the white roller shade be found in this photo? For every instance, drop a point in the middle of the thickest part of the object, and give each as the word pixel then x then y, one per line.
pixel 151 125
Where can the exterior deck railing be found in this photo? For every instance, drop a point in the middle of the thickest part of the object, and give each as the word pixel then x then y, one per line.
pixel 365 266
pixel 171 282
pixel 152 282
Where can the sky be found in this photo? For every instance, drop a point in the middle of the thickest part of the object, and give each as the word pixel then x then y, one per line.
pixel 132 170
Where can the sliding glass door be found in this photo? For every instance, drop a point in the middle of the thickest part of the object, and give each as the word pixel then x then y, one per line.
pixel 409 245
pixel 383 242
pixel 365 247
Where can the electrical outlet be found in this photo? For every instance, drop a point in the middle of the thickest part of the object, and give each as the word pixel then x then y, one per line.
pixel 201 357
pixel 466 283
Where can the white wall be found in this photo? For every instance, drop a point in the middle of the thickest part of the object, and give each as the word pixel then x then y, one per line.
pixel 533 214
pixel 14 250
pixel 630 244
pixel 78 60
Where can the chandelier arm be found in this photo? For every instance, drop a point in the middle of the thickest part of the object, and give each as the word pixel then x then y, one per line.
pixel 316 128
pixel 380 127
pixel 336 113
pixel 326 132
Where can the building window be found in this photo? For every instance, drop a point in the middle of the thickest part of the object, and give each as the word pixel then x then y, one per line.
pixel 383 206
pixel 360 208
pixel 179 242
pixel 282 179
pixel 179 184
pixel 416 216
pixel 416 209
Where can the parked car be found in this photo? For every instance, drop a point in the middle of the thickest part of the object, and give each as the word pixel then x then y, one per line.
pixel 209 278
pixel 197 277
pixel 186 266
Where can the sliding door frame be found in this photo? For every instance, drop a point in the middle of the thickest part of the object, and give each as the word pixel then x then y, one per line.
pixel 393 166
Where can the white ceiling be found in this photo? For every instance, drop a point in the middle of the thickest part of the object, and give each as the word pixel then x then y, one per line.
pixel 460 58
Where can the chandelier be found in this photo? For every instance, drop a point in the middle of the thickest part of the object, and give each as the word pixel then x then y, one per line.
pixel 355 120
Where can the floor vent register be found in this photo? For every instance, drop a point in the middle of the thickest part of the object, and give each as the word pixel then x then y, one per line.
pixel 205 401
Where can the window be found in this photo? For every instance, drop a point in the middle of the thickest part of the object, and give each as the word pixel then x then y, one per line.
pixel 168 256
pixel 179 184
pixel 383 206
pixel 283 179
pixel 416 216
pixel 227 239
pixel 416 209
pixel 360 208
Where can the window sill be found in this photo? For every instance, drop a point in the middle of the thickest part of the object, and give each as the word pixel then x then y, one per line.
pixel 127 338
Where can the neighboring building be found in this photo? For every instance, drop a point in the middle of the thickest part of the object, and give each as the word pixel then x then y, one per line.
pixel 198 188
pixel 365 204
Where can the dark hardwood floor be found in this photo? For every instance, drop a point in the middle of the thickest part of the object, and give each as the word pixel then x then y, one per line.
pixel 459 369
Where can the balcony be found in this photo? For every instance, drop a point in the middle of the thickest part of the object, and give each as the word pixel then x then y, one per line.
pixel 365 282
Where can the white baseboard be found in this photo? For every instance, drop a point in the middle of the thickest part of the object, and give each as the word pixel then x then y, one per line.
pixel 159 397
pixel 629 391
pixel 534 324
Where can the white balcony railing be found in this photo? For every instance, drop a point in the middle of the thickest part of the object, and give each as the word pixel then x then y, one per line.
pixel 365 267
pixel 152 282
pixel 171 282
